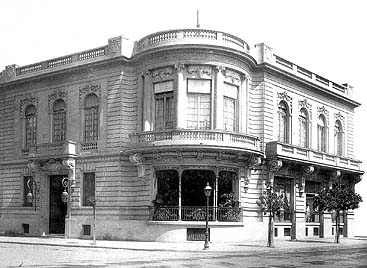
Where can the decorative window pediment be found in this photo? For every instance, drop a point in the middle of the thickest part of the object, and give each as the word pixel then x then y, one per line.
pixel 56 95
pixel 323 111
pixel 26 102
pixel 199 71
pixel 283 96
pixel 306 105
pixel 83 92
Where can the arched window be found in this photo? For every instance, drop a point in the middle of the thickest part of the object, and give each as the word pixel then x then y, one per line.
pixel 321 134
pixel 59 121
pixel 91 118
pixel 30 125
pixel 338 138
pixel 283 131
pixel 303 128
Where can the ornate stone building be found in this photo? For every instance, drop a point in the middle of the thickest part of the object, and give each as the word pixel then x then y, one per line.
pixel 142 127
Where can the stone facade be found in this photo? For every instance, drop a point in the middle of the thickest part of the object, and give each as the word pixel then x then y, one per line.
pixel 143 130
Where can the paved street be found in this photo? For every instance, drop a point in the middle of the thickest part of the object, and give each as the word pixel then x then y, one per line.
pixel 26 254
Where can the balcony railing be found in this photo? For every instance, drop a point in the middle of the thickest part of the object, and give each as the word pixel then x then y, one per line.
pixel 222 214
pixel 54 149
pixel 309 155
pixel 192 36
pixel 195 137
pixel 312 217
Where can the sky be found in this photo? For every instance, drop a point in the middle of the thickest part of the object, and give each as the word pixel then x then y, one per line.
pixel 326 37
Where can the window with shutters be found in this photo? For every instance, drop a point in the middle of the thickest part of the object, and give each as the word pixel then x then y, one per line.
pixel 59 121
pixel 283 130
pixel 30 125
pixel 89 188
pixel 164 105
pixel 91 118
pixel 199 104
pixel 303 129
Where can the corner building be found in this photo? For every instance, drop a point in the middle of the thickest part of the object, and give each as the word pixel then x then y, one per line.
pixel 142 127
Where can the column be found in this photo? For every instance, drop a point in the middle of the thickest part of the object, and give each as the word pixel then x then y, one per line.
pixel 147 102
pixel 181 97
pixel 243 105
pixel 218 98
pixel 180 193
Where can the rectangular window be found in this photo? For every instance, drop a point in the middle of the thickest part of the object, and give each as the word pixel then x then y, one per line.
pixel 89 188
pixel 91 124
pixel 282 186
pixel 30 130
pixel 199 104
pixel 321 131
pixel 164 105
pixel 59 125
pixel 229 114
pixel 27 188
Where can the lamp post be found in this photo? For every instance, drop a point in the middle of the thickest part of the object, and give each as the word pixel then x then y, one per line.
pixel 66 198
pixel 207 191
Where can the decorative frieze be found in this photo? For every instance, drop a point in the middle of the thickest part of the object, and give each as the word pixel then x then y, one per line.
pixel 56 95
pixel 96 89
pixel 28 101
pixel 199 71
pixel 162 74
pixel 340 117
pixel 283 96
pixel 232 77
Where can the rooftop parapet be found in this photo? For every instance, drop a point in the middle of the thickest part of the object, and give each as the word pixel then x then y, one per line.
pixel 113 49
pixel 189 37
pixel 264 54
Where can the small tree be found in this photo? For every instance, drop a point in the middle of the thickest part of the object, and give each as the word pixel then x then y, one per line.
pixel 271 203
pixel 338 199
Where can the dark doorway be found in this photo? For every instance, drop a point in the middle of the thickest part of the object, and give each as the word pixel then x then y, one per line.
pixel 57 208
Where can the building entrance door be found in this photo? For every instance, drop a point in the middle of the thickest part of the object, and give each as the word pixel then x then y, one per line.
pixel 57 208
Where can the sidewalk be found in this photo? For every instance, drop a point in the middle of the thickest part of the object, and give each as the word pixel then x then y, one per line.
pixel 280 245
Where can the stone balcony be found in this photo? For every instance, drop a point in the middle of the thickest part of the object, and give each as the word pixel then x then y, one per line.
pixel 52 150
pixel 299 154
pixel 200 139
pixel 191 37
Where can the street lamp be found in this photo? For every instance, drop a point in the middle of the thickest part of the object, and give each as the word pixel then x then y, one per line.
pixel 207 191
pixel 66 198
pixel 29 197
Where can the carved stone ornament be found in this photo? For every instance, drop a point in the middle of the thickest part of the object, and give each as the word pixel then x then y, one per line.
pixel 96 89
pixel 308 170
pixel 254 161
pixel 357 178
pixel 180 67
pixel 68 163
pixel 28 101
pixel 114 44
pixel 335 174
pixel 305 104
pixel 232 77
pixel 58 94
pixel 136 158
pixel 162 74
pixel 275 165
pixel 199 71
pixel 322 110
pixel 340 117
pixel 8 74
pixel 283 96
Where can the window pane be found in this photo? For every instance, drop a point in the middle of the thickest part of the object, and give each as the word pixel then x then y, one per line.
pixel 30 125
pixel 91 118
pixel 164 110
pixel 283 123
pixel 88 187
pixel 199 104
pixel 229 114
pixel 59 121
